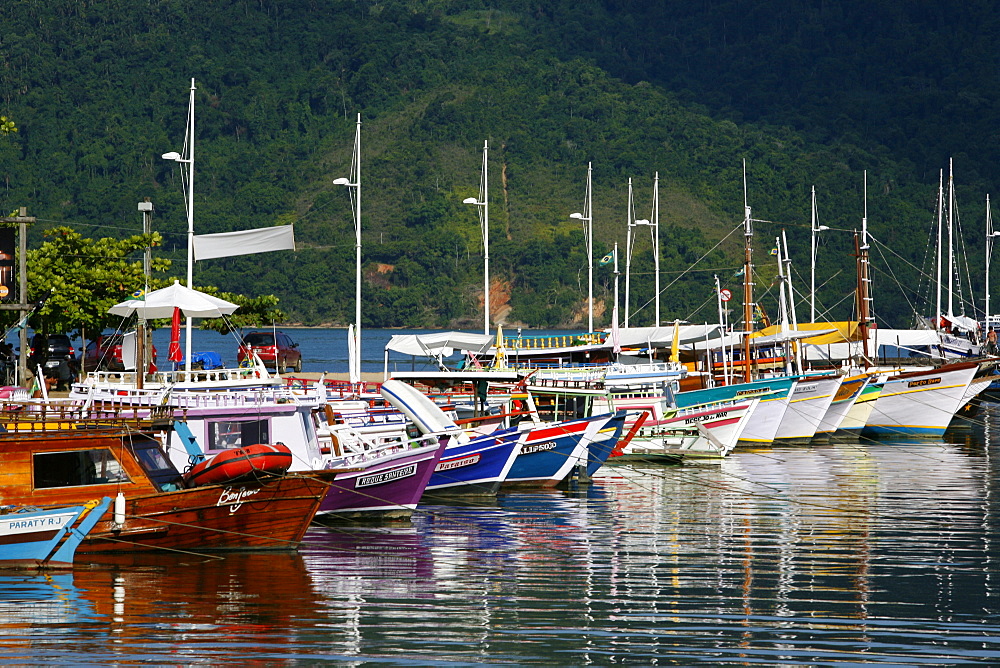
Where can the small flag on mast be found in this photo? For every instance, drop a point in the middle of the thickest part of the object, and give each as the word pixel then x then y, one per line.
pixel 607 259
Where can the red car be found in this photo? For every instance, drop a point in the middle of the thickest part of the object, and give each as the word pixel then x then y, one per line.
pixel 105 354
pixel 281 355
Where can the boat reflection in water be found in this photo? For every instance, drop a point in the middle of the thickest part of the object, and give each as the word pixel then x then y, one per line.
pixel 843 554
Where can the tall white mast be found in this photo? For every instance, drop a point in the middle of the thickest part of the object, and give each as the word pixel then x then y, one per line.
pixel 630 223
pixel 484 222
pixel 816 229
pixel 354 183
pixel 940 231
pixel 187 157
pixel 990 235
pixel 587 218
pixel 190 212
pixel 951 240
pixel 656 242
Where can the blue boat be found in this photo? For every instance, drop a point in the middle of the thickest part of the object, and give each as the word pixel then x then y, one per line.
pixel 477 466
pixel 552 452
pixel 35 538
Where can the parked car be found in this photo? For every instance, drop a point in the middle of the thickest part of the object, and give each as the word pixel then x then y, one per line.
pixel 281 354
pixel 105 354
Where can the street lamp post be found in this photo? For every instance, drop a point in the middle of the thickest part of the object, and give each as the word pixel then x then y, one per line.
pixel 354 183
pixel 484 221
pixel 189 161
pixel 587 218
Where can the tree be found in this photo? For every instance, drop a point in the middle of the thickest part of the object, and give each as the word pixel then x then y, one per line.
pixel 76 280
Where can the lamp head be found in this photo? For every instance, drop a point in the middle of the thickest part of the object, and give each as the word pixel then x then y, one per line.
pixel 342 182
pixel 641 221
pixel 822 228
pixel 577 216
pixel 470 200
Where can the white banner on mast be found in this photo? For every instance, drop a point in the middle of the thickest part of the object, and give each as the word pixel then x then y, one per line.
pixel 245 242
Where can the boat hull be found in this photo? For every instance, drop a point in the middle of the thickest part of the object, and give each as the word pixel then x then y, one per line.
pixel 386 488
pixel 920 403
pixel 477 467
pixel 808 404
pixel 46 538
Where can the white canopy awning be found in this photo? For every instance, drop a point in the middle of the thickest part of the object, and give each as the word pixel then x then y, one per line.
pixel 663 337
pixel 439 344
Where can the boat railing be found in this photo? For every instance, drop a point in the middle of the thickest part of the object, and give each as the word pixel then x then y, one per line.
pixel 70 415
pixel 206 377
pixel 555 341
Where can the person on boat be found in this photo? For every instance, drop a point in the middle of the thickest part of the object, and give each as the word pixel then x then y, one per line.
pixel 991 342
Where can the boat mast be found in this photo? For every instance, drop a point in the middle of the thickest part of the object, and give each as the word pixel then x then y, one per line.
pixel 722 326
pixel 187 157
pixel 484 222
pixel 816 229
pixel 791 300
pixel 587 218
pixel 951 240
pixel 990 235
pixel 940 208
pixel 747 279
pixel 357 248
pixel 864 281
pixel 656 243
pixel 630 223
pixel 354 183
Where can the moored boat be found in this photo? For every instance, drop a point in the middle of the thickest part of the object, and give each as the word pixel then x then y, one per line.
pixel 46 538
pixel 152 510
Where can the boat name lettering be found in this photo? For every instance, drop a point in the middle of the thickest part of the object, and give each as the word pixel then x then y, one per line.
pixel 924 381
pixel 805 388
pixel 386 476
pixel 710 416
pixel 457 463
pixel 36 522
pixel 235 499
pixel 743 393
pixel 538 447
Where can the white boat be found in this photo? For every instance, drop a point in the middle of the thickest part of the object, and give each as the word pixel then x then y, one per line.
pixel 921 403
pixel 807 406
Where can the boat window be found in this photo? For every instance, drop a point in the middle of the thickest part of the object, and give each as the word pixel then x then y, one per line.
pixel 227 434
pixel 76 468
pixel 155 463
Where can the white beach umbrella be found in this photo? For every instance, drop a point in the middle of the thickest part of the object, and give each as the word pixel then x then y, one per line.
pixel 161 304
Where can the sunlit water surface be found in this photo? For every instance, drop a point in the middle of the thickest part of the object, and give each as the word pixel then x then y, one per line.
pixel 838 554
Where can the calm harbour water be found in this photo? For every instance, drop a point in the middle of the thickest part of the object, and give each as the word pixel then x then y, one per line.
pixel 840 554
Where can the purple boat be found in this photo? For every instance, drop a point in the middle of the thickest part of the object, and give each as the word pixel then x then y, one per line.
pixel 383 484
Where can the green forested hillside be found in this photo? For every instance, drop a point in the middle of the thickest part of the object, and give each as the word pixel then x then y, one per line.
pixel 813 95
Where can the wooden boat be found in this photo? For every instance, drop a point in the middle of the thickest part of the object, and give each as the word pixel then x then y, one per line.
pixel 239 464
pixel 152 510
pixel 35 538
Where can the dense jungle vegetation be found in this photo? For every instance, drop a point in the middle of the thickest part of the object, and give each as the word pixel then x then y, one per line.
pixel 815 93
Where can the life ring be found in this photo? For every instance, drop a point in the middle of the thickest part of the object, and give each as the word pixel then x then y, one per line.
pixel 232 465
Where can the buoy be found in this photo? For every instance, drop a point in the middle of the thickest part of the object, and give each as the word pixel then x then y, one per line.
pixel 119 517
